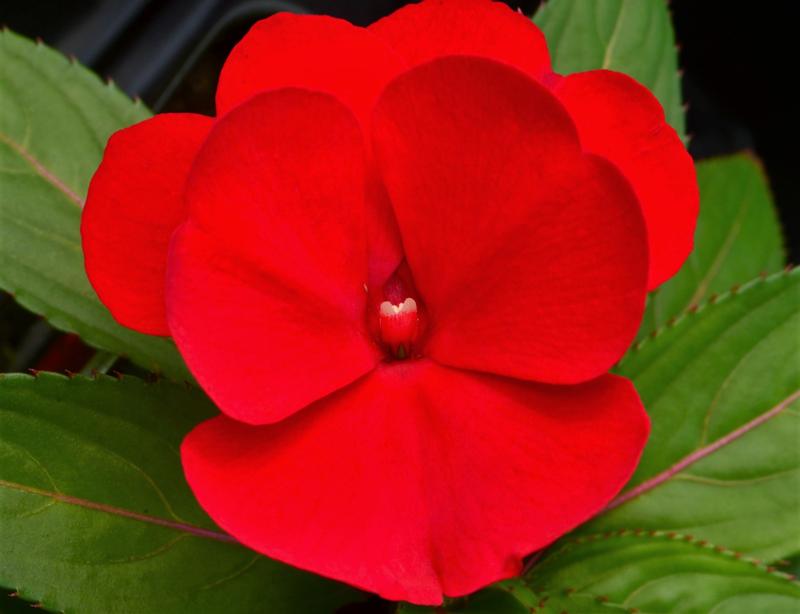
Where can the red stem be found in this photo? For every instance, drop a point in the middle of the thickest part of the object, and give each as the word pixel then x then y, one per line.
pixel 701 453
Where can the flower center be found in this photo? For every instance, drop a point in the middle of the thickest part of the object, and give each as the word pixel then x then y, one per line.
pixel 399 325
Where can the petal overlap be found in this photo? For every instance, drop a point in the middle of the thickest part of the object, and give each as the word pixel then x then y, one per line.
pixel 426 30
pixel 530 254
pixel 134 204
pixel 266 278
pixel 420 480
pixel 312 52
pixel 329 55
pixel 619 119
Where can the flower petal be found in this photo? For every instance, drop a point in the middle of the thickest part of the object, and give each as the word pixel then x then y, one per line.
pixel 309 51
pixel 420 480
pixel 135 202
pixel 266 279
pixel 622 121
pixel 434 28
pixel 327 55
pixel 530 255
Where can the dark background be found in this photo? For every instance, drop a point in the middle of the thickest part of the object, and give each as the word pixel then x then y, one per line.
pixel 736 57
pixel 738 81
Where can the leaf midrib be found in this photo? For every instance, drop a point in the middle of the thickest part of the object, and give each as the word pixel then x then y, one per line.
pixel 182 527
pixel 700 453
pixel 612 41
pixel 41 170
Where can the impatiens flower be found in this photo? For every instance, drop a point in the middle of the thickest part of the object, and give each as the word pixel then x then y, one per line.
pixel 401 261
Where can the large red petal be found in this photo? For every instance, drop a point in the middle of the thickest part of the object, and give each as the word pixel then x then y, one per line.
pixel 622 121
pixel 309 51
pixel 433 28
pixel 266 279
pixel 327 55
pixel 530 255
pixel 134 204
pixel 420 480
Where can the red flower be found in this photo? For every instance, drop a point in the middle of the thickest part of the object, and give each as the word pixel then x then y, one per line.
pixel 410 447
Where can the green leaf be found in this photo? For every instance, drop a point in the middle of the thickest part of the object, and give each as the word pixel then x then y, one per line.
pixel 516 597
pixel 738 237
pixel 95 515
pixel 636 572
pixel 663 572
pixel 630 36
pixel 55 117
pixel 721 387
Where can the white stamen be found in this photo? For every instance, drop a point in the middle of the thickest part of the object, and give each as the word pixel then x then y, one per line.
pixel 407 306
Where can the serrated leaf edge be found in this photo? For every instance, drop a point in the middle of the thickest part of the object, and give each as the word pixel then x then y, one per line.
pixel 570 543
pixel 714 299
pixel 537 600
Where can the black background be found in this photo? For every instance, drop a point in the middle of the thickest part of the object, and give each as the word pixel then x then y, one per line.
pixel 736 57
